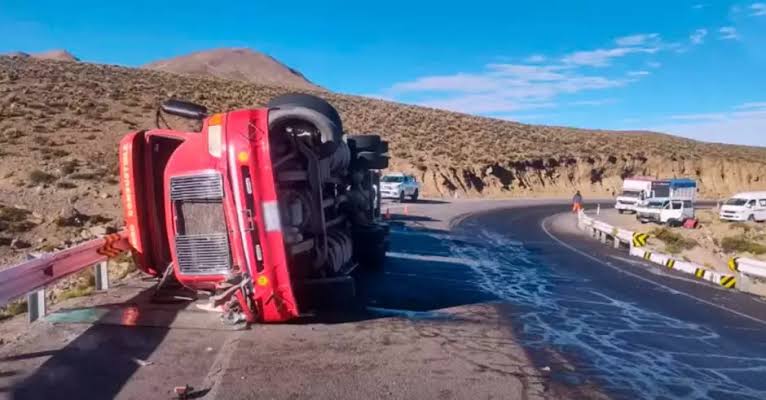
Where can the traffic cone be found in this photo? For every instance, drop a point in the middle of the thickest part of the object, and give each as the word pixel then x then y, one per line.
pixel 406 210
pixel 388 214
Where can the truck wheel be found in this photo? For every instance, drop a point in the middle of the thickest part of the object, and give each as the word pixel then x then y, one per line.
pixel 401 196
pixel 414 196
pixel 371 160
pixel 364 142
pixel 751 218
pixel 619 211
pixel 318 104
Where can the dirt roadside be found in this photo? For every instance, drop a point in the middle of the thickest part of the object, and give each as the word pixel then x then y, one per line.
pixel 466 351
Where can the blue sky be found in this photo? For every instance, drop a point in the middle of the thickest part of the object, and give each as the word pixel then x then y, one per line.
pixel 693 68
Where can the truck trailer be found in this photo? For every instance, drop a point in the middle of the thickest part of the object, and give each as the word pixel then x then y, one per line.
pixel 255 204
pixel 634 190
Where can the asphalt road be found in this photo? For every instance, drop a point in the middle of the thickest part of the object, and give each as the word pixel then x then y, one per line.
pixel 632 330
pixel 508 304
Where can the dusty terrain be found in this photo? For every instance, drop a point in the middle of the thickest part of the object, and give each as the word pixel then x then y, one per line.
pixel 711 245
pixel 60 123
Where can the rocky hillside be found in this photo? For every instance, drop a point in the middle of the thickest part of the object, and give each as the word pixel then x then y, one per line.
pixel 57 55
pixel 60 124
pixel 235 64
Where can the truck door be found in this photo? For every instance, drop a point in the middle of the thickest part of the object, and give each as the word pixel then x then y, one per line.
pixel 761 215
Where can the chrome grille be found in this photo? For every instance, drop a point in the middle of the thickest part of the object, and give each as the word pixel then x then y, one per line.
pixel 206 254
pixel 207 186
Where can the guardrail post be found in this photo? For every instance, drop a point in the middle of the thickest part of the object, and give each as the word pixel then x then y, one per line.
pixel 603 237
pixel 598 209
pixel 36 305
pixel 36 299
pixel 616 242
pixel 102 276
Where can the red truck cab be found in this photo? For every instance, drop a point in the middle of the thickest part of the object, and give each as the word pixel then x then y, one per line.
pixel 254 203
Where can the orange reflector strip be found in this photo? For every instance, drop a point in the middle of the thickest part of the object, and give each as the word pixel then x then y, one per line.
pixel 215 119
pixel 262 281
pixel 243 156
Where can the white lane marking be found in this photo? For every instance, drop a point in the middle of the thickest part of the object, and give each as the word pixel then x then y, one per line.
pixel 442 259
pixel 641 278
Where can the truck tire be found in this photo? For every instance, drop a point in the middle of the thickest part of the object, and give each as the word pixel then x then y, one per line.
pixel 401 196
pixel 414 196
pixel 619 211
pixel 751 218
pixel 328 130
pixel 318 104
pixel 371 160
pixel 364 143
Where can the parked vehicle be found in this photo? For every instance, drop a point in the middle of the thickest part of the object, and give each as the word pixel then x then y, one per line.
pixel 634 190
pixel 670 212
pixel 256 206
pixel 399 186
pixel 748 206
pixel 672 189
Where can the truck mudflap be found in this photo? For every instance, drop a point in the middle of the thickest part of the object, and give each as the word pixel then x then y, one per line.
pixel 131 169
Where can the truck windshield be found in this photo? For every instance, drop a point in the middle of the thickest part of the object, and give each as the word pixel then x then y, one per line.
pixel 656 204
pixel 631 193
pixel 736 202
pixel 392 179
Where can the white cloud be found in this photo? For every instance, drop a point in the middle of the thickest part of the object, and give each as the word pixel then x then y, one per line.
pixel 535 59
pixel 728 33
pixel 599 102
pixel 754 105
pixel 698 36
pixel 638 73
pixel 500 88
pixel 603 57
pixel 653 64
pixel 637 40
pixel 744 124
pixel 758 9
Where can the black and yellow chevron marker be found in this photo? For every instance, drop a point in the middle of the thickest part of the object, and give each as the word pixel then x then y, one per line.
pixel 647 255
pixel 728 281
pixel 699 273
pixel 639 239
pixel 670 263
pixel 734 264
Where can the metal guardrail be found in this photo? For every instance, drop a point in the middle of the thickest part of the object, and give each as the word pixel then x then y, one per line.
pixel 31 277
pixel 748 266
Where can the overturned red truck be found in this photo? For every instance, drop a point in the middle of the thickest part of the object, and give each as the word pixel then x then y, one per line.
pixel 255 205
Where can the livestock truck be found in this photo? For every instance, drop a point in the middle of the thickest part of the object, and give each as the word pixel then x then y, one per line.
pixel 671 202
pixel 254 205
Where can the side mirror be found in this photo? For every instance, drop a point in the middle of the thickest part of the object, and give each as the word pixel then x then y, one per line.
pixel 184 109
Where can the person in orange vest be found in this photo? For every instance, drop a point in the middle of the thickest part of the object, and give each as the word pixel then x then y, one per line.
pixel 577 202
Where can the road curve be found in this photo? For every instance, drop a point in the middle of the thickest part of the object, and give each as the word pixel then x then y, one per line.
pixel 595 316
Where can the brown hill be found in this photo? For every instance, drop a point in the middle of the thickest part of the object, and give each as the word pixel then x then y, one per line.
pixel 58 55
pixel 60 124
pixel 235 64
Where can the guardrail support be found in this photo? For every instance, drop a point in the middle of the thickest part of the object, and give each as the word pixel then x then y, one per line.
pixel 603 237
pixel 36 305
pixel 616 243
pixel 102 276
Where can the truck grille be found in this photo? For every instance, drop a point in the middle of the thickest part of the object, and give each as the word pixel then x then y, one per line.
pixel 203 254
pixel 202 241
pixel 207 186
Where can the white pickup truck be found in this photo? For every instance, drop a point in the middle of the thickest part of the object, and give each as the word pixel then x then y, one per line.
pixel 399 186
pixel 670 212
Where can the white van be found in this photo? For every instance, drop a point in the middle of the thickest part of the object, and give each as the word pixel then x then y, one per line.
pixel 748 206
